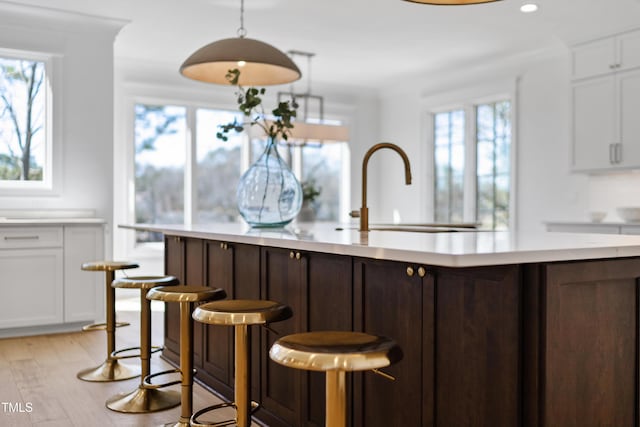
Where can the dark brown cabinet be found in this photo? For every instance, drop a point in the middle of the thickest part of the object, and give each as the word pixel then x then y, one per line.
pixel 184 260
pixel 393 300
pixel 236 269
pixel 477 347
pixel 318 289
pixel 588 374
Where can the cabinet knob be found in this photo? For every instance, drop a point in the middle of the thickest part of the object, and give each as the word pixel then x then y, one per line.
pixel 224 246
pixel 422 271
pixel 292 255
pixel 410 271
pixel 298 255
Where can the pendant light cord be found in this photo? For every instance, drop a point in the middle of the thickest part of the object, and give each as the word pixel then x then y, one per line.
pixel 242 31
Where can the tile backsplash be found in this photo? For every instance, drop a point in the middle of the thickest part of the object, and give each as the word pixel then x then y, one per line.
pixel 608 192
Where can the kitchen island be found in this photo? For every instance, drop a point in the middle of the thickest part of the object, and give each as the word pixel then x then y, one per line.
pixel 497 328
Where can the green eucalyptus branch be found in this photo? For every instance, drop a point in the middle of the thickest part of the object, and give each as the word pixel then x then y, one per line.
pixel 250 105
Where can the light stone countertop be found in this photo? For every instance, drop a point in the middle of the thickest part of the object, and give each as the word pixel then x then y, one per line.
pixel 49 221
pixel 455 249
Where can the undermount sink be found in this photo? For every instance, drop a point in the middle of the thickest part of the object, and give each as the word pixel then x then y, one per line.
pixel 418 228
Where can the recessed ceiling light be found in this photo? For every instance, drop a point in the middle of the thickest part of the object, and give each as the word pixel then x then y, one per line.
pixel 528 7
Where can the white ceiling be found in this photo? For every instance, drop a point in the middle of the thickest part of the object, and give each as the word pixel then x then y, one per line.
pixel 358 42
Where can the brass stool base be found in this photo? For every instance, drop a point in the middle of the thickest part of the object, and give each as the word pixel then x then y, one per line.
pixel 103 326
pixel 144 400
pixel 231 422
pixel 110 370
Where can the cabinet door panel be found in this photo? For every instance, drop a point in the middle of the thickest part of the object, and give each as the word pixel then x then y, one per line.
pixel 174 266
pixel 629 50
pixel 329 308
pixel 84 291
pixel 594 123
pixel 281 386
pixel 593 58
pixel 478 347
pixel 218 354
pixel 246 285
pixel 590 357
pixel 32 292
pixel 392 306
pixel 195 275
pixel 629 90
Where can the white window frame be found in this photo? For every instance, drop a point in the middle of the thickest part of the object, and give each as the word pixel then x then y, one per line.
pixel 52 167
pixel 467 99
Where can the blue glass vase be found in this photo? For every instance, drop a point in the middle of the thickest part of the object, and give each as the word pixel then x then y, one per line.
pixel 269 194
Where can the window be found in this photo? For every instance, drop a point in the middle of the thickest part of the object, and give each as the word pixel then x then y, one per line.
pixel 493 137
pixel 324 166
pixel 449 166
pixel 184 174
pixel 25 150
pixel 218 167
pixel 483 129
pixel 160 141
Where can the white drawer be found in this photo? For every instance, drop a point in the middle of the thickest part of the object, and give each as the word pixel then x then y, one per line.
pixel 30 237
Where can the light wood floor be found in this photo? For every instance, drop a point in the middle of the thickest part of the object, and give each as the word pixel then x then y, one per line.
pixel 41 370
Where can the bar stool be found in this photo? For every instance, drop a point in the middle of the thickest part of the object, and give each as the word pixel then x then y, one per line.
pixel 110 369
pixel 240 314
pixel 144 399
pixel 335 352
pixel 185 295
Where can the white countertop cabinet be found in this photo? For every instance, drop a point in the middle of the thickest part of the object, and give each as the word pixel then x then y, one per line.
pixel 32 276
pixel 605 95
pixel 43 288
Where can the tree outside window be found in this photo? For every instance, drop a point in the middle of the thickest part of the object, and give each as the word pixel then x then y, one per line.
pixel 22 120
pixel 160 137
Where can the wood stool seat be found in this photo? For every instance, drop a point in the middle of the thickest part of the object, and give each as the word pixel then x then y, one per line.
pixel 111 369
pixel 240 314
pixel 144 399
pixel 185 296
pixel 335 352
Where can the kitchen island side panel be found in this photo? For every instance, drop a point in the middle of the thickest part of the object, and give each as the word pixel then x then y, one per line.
pixel 590 371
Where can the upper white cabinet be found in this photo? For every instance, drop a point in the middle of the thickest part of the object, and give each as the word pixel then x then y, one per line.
pixel 605 100
pixel 593 59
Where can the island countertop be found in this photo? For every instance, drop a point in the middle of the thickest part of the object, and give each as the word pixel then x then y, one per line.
pixel 448 249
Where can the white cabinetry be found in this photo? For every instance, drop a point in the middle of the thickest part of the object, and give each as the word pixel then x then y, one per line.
pixel 31 266
pixel 42 285
pixel 605 98
pixel 83 290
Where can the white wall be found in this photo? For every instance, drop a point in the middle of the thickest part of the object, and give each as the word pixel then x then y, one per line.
pixel 544 188
pixel 83 103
